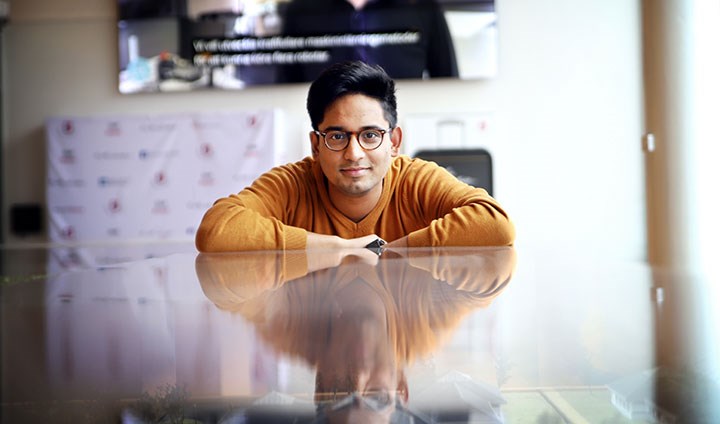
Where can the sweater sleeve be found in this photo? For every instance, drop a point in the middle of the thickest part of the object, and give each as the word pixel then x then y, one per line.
pixel 255 218
pixel 454 213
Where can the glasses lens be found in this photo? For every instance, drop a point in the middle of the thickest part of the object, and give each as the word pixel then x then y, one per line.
pixel 345 402
pixel 336 140
pixel 377 401
pixel 371 139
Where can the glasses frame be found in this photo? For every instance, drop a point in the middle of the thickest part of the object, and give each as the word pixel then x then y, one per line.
pixel 343 400
pixel 348 134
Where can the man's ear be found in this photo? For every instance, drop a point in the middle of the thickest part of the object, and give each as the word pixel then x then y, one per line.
pixel 396 140
pixel 314 144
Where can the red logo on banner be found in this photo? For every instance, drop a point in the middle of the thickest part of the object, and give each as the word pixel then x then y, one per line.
pixel 67 233
pixel 160 275
pixel 160 178
pixel 68 127
pixel 69 260
pixel 206 150
pixel 114 206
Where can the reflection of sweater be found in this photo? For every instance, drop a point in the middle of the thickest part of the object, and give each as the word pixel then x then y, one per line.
pixel 419 199
pixel 425 296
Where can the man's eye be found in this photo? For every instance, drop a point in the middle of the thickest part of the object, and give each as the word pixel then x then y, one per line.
pixel 336 136
pixel 370 135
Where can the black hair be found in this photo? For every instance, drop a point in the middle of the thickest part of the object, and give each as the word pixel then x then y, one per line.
pixel 353 77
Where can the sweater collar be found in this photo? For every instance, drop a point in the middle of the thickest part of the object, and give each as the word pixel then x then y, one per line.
pixel 322 188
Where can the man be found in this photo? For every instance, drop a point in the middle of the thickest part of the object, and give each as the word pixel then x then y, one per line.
pixel 356 187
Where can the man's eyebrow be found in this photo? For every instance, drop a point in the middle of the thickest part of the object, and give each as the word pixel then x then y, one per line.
pixel 366 127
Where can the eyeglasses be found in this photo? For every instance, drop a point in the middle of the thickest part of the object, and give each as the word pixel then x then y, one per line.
pixel 369 139
pixel 375 400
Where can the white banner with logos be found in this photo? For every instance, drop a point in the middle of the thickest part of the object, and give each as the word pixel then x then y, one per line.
pixel 151 177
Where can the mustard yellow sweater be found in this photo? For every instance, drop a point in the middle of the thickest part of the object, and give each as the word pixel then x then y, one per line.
pixel 419 199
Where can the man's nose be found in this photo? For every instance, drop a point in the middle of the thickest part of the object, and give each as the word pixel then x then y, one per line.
pixel 354 150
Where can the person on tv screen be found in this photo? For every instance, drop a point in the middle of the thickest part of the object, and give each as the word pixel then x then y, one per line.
pixel 408 38
pixel 356 189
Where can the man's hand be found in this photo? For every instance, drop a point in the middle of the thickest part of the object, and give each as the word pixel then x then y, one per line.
pixel 399 246
pixel 400 243
pixel 325 251
pixel 321 241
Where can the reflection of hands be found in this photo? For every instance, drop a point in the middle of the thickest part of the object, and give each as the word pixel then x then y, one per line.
pixel 323 241
pixel 399 246
pixel 323 259
pixel 331 251
pixel 439 287
pixel 401 243
pixel 359 256
pixel 230 279
pixel 484 271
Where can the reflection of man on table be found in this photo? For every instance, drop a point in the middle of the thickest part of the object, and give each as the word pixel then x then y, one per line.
pixel 359 325
pixel 428 53
pixel 356 187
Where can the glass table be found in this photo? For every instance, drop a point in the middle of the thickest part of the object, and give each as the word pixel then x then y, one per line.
pixel 162 334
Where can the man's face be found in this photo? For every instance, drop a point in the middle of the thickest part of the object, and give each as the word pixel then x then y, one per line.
pixel 359 356
pixel 354 172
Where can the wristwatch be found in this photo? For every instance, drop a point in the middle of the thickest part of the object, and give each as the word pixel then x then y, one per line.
pixel 377 246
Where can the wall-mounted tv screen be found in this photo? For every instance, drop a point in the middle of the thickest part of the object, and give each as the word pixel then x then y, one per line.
pixel 180 45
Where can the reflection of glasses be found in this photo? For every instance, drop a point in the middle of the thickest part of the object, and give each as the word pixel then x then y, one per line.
pixel 369 139
pixel 377 400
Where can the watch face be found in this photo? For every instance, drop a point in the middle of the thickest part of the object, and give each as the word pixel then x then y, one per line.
pixel 378 242
pixel 377 246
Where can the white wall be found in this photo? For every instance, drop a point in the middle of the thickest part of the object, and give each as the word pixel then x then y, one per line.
pixel 567 108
